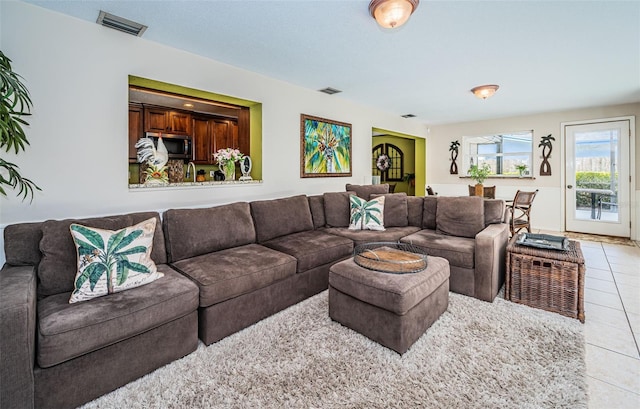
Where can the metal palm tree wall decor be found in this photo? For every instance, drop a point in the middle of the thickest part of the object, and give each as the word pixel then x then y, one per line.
pixel 545 166
pixel 453 169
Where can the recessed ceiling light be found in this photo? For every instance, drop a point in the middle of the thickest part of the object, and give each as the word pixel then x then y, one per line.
pixel 187 105
pixel 329 90
pixel 120 24
pixel 408 116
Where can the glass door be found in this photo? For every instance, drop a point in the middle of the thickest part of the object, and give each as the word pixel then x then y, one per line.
pixel 597 178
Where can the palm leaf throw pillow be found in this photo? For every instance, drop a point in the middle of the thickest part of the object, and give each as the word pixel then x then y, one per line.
pixel 112 261
pixel 366 215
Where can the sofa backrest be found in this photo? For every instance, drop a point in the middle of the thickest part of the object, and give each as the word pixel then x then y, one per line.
pixel 460 216
pixel 364 191
pixel 336 208
pixel 316 205
pixel 494 211
pixel 415 209
pixel 279 217
pixel 395 209
pixel 193 232
pixel 429 212
pixel 58 260
pixel 21 244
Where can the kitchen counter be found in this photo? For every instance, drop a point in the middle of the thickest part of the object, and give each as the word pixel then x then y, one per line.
pixel 192 185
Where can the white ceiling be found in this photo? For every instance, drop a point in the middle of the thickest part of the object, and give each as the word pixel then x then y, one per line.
pixel 545 55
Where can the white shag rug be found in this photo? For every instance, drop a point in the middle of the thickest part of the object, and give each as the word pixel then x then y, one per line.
pixel 476 355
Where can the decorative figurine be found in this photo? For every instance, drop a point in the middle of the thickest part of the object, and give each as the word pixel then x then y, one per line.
pixel 245 167
pixel 453 169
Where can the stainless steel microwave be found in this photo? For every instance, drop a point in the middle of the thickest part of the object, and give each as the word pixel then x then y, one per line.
pixel 178 146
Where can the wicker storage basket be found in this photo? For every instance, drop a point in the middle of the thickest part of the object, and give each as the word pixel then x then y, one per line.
pixel 547 279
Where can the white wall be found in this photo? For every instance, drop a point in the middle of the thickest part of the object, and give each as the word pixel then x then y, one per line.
pixel 77 73
pixel 548 210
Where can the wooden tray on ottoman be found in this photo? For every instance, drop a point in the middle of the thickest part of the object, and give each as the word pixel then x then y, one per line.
pixel 551 280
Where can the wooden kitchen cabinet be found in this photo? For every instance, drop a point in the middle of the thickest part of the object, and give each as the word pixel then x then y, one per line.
pixel 165 120
pixel 211 134
pixel 136 130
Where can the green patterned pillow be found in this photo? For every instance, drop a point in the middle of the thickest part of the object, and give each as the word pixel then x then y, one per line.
pixel 112 261
pixel 366 215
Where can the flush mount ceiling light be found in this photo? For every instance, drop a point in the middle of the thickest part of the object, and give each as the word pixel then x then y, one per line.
pixel 392 13
pixel 484 91
pixel 120 24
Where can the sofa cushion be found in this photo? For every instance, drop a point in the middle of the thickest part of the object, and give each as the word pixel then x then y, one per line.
pixel 415 209
pixel 493 211
pixel 460 216
pixel 66 331
pixel 365 191
pixel 366 215
pixel 232 272
pixel 279 217
pixel 336 209
pixel 429 212
pixel 316 204
pixel 395 209
pixel 391 234
pixel 312 248
pixel 193 232
pixel 58 265
pixel 460 251
pixel 122 257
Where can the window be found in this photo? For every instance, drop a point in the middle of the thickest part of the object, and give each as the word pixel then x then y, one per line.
pixel 503 152
pixel 395 169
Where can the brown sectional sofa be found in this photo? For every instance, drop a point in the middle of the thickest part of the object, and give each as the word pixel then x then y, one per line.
pixel 226 267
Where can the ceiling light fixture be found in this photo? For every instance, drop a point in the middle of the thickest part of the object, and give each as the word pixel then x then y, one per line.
pixel 392 13
pixel 484 91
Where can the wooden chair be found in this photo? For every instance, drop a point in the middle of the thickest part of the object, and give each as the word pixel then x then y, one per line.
pixel 489 192
pixel 519 211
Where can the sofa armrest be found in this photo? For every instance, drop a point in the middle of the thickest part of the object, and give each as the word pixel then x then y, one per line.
pixel 490 259
pixel 17 330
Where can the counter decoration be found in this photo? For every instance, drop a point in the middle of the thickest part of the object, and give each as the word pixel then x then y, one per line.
pixel 245 167
pixel 155 158
pixel 227 159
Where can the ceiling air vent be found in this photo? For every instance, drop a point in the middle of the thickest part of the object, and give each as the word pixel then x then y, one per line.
pixel 408 116
pixel 120 24
pixel 329 90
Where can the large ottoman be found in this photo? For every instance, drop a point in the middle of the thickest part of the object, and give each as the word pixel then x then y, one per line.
pixel 391 309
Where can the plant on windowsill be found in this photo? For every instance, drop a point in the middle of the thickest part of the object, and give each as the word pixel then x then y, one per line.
pixel 522 169
pixel 14 104
pixel 479 174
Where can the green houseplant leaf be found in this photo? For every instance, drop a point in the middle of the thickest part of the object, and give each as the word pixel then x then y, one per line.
pixel 15 103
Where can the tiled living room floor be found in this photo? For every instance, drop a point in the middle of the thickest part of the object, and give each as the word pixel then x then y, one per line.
pixel 612 324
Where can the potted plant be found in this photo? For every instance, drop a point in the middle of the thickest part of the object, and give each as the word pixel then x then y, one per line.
pixel 14 104
pixel 410 178
pixel 479 174
pixel 522 169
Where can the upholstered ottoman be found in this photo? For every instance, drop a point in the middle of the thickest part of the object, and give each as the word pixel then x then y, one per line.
pixel 391 309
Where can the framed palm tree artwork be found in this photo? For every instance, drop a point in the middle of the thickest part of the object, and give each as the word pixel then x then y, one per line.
pixel 325 147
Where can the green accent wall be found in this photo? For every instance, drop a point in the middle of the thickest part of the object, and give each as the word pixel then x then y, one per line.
pixel 255 114
pixel 414 149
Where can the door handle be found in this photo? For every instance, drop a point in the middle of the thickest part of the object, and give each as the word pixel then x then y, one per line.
pixel 569 186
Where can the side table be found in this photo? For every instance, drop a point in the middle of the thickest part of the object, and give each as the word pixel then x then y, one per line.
pixel 551 280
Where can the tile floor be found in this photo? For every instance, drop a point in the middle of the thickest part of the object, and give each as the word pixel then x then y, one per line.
pixel 612 324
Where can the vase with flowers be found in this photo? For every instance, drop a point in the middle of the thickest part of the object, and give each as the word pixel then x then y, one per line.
pixel 227 159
